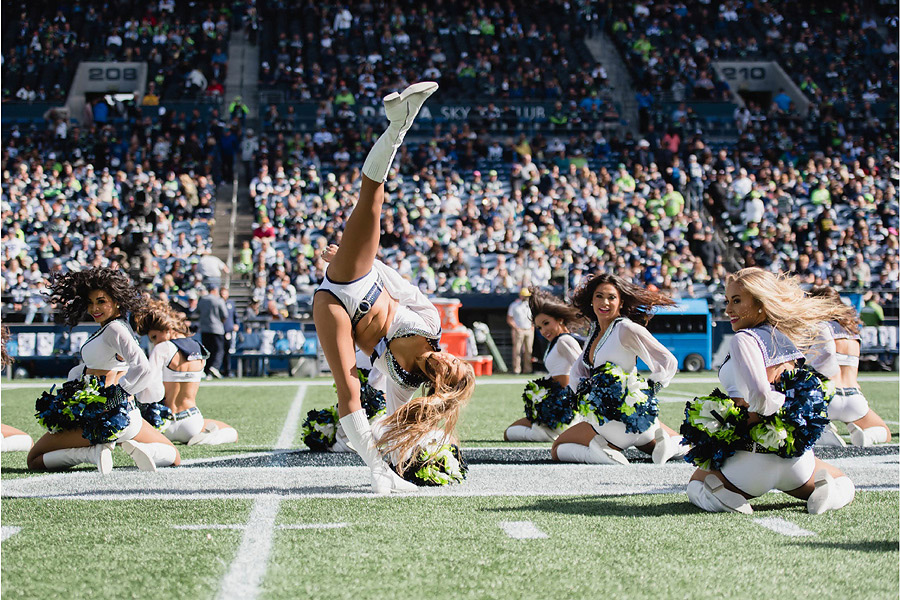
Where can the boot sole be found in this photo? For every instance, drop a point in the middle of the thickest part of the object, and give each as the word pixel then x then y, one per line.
pixel 416 88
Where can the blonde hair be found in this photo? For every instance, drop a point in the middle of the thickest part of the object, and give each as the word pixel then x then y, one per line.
pixel 158 315
pixel 452 384
pixel 786 306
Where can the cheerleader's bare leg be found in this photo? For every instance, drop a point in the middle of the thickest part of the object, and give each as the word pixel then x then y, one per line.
pixel 56 451
pixel 15 440
pixel 150 449
pixel 524 430
pixel 581 444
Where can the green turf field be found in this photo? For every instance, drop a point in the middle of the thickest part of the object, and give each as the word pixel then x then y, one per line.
pixel 268 540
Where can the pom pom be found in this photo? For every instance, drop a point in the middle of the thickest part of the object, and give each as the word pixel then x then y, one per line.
pixel 614 395
pixel 320 429
pixel 550 404
pixel 436 464
pixel 157 414
pixel 715 428
pixel 794 429
pixel 373 400
pixel 101 412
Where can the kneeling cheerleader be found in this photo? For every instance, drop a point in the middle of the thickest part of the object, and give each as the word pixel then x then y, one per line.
pixel 619 405
pixel 550 405
pixel 177 360
pixel 95 409
pixel 758 435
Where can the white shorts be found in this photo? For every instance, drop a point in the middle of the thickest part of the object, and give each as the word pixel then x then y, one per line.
pixel 848 405
pixel 756 473
pixel 182 430
pixel 135 423
pixel 614 433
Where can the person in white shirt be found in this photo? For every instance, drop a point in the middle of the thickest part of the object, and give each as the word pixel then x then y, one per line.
pixel 554 320
pixel 616 309
pixel 760 354
pixel 519 319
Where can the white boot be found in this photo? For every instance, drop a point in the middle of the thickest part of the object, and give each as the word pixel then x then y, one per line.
pixel 715 497
pixel 868 436
pixel 830 437
pixel 359 434
pixel 98 454
pixel 597 453
pixel 401 110
pixel 148 456
pixel 666 447
pixel 21 442
pixel 211 435
pixel 535 433
pixel 830 493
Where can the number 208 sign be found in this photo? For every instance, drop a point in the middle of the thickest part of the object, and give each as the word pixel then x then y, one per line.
pixel 111 76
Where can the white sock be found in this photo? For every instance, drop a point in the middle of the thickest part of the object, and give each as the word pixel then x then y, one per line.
pixel 534 433
pixel 20 442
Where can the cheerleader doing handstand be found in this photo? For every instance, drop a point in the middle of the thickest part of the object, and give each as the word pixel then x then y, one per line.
pixel 613 305
pixel 363 302
pixel 113 355
pixel 553 319
pixel 838 359
pixel 178 360
pixel 772 320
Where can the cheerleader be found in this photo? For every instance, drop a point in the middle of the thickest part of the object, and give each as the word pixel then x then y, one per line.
pixel 837 357
pixel 364 303
pixel 553 319
pixel 613 305
pixel 114 369
pixel 772 319
pixel 14 440
pixel 178 361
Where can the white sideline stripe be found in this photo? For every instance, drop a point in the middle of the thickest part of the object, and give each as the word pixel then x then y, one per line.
pixel 292 421
pixel 210 526
pixel 478 382
pixel 522 530
pixel 783 527
pixel 242 582
pixel 8 532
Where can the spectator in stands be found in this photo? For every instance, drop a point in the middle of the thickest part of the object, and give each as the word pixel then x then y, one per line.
pixel 519 319
pixel 212 313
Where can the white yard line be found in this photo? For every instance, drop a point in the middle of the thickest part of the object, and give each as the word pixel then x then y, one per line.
pixel 8 532
pixel 313 526
pixel 783 527
pixel 243 580
pixel 210 526
pixel 522 530
pixel 292 421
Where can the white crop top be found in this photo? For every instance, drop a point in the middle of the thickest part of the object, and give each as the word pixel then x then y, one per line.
pixel 102 351
pixel 562 354
pixel 160 357
pixel 743 375
pixel 622 344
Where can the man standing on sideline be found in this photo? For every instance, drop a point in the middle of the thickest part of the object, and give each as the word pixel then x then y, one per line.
pixel 519 319
pixel 231 328
pixel 212 312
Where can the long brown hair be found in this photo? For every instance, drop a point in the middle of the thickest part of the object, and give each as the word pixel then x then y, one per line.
pixel 850 320
pixel 5 358
pixel 158 315
pixel 452 384
pixel 786 306
pixel 541 302
pixel 637 302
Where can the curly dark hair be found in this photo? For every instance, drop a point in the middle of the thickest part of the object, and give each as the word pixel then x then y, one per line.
pixel 637 302
pixel 69 292
pixel 5 358
pixel 548 304
pixel 849 320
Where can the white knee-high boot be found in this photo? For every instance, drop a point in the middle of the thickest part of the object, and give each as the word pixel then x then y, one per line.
pixel 359 433
pixel 597 452
pixel 868 436
pixel 534 433
pixel 712 496
pixel 213 436
pixel 401 110
pixel 666 447
pixel 149 456
pixel 831 493
pixel 831 437
pixel 98 454
pixel 21 442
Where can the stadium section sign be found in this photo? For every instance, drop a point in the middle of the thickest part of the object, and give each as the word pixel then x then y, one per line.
pixel 111 77
pixel 760 76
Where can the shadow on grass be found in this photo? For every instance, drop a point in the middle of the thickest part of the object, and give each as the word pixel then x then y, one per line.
pixel 880 547
pixel 604 506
